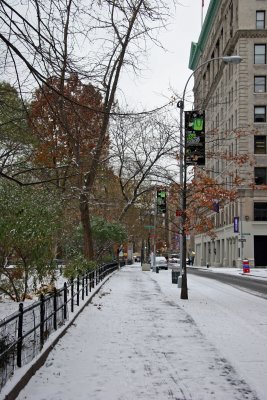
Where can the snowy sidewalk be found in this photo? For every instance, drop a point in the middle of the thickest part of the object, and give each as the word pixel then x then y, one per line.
pixel 139 341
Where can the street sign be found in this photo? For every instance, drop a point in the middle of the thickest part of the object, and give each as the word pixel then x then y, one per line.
pixel 242 240
pixel 245 234
pixel 149 226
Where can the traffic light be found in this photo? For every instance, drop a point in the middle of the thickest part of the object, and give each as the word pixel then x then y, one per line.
pixel 161 201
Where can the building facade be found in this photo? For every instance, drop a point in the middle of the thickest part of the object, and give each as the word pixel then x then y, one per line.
pixel 234 98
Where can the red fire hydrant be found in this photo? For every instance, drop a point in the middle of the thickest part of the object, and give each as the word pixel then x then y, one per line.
pixel 246 267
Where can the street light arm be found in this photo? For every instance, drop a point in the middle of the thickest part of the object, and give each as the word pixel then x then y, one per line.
pixel 226 59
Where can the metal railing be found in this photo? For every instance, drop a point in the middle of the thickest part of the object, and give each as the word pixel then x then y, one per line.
pixel 23 334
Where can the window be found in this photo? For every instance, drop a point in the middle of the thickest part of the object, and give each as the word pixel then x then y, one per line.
pixel 259 144
pixel 260 176
pixel 259 54
pixel 259 84
pixel 260 114
pixel 260 19
pixel 260 211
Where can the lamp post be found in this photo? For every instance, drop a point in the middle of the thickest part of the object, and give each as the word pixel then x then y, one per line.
pixel 182 282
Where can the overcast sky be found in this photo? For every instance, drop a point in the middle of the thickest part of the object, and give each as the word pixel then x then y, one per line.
pixel 169 69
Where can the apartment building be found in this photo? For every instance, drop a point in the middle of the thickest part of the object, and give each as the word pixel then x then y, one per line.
pixel 234 98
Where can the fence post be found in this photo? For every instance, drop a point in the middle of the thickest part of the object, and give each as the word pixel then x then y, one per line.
pixel 86 284
pixel 93 278
pixel 20 334
pixel 78 290
pixel 83 287
pixel 72 294
pixel 42 317
pixel 55 309
pixel 65 300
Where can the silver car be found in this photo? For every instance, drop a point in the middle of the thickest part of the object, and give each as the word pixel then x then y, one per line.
pixel 161 262
pixel 174 263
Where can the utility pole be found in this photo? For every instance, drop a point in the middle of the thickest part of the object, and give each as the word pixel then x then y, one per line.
pixel 154 230
pixel 234 59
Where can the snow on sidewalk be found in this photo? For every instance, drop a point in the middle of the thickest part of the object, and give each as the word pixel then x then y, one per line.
pixel 139 341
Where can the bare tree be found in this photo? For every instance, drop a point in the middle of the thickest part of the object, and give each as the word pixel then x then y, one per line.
pixel 143 154
pixel 41 39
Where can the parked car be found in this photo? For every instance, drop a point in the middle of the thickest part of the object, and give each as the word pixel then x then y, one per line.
pixel 175 255
pixel 161 262
pixel 137 257
pixel 174 263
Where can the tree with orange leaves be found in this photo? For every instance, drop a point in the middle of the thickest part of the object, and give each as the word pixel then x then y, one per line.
pixel 66 128
pixel 66 122
pixel 205 197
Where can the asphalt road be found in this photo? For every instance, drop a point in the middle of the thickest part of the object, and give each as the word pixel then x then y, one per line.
pixel 246 283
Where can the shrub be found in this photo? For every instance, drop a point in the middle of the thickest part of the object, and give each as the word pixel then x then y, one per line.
pixel 78 266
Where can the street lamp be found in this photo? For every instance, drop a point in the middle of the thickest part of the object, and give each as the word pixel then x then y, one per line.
pixel 182 282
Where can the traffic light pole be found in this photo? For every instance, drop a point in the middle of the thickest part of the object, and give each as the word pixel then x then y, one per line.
pixel 181 156
pixel 160 207
pixel 182 280
pixel 235 59
pixel 155 227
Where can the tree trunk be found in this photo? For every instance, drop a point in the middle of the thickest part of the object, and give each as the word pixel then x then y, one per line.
pixel 88 249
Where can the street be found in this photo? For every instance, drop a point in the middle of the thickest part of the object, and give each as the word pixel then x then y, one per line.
pixel 138 340
pixel 246 282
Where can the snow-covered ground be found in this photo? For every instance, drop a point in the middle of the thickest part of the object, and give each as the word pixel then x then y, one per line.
pixel 8 307
pixel 138 340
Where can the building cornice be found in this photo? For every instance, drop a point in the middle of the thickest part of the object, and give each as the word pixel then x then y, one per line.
pixel 252 33
pixel 197 48
pixel 244 33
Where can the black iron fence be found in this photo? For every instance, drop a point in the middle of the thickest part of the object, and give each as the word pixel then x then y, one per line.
pixel 23 334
